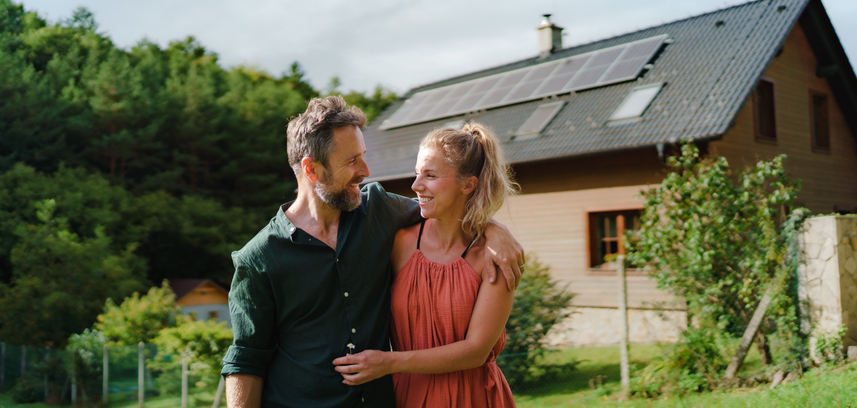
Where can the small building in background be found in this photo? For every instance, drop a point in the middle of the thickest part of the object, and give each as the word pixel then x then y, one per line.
pixel 202 298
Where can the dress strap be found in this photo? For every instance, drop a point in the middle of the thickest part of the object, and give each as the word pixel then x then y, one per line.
pixel 419 237
pixel 468 247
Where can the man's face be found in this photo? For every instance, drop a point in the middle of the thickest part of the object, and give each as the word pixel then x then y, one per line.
pixel 339 183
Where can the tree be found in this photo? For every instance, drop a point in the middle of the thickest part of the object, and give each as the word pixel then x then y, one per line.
pixel 59 280
pixel 719 240
pixel 139 319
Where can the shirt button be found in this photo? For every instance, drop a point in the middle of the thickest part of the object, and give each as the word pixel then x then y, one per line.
pixel 346 294
pixel 354 330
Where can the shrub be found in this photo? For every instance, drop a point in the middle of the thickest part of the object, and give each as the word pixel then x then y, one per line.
pixel 139 318
pixel 24 392
pixel 828 345
pixel 203 342
pixel 692 364
pixel 539 304
pixel 86 353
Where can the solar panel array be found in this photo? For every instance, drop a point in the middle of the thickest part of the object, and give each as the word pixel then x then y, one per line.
pixel 593 69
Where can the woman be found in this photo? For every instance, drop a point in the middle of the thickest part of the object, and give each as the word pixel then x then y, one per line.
pixel 447 319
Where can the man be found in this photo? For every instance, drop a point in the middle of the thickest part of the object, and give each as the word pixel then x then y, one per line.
pixel 313 285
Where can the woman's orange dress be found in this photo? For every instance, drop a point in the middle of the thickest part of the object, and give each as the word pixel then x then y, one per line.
pixel 432 304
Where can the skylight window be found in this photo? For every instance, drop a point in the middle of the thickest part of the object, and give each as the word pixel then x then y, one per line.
pixel 538 120
pixel 636 102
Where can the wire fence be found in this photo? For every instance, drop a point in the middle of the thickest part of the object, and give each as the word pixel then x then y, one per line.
pixel 115 376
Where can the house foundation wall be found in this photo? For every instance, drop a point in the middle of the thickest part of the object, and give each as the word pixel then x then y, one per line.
pixel 590 326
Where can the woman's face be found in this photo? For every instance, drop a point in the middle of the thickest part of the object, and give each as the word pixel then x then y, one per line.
pixel 440 192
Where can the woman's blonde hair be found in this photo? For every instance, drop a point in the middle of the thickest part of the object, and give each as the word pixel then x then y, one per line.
pixel 474 151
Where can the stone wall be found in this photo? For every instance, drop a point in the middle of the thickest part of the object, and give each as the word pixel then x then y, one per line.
pixel 590 326
pixel 828 275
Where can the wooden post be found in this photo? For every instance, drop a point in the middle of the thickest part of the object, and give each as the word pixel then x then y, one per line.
pixel 184 379
pixel 23 360
pixel 219 394
pixel 749 334
pixel 2 366
pixel 105 378
pixel 47 356
pixel 73 385
pixel 623 314
pixel 141 372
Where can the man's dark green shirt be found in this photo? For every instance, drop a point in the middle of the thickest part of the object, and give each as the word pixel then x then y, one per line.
pixel 296 304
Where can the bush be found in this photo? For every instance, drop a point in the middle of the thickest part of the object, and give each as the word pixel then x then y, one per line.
pixel 539 304
pixel 203 342
pixel 693 364
pixel 24 391
pixel 86 354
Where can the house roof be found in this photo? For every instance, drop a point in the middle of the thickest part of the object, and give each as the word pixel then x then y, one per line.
pixel 182 287
pixel 709 67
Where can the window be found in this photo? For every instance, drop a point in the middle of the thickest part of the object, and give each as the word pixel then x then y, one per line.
pixel 213 315
pixel 819 122
pixel 636 102
pixel 607 233
pixel 763 109
pixel 538 120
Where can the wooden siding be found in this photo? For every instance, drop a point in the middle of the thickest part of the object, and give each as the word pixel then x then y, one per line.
pixel 829 179
pixel 553 226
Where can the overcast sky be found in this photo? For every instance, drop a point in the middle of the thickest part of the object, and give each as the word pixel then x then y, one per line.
pixel 398 44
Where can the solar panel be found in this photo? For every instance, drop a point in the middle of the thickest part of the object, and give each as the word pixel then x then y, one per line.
pixel 532 81
pixel 596 68
pixel 632 60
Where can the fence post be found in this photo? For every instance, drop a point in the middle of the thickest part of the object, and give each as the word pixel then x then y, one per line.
pixel 105 377
pixel 184 379
pixel 140 374
pixel 73 383
pixel 47 356
pixel 220 386
pixel 2 366
pixel 23 360
pixel 623 339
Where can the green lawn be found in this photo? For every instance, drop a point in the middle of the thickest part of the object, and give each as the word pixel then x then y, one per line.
pixel 818 388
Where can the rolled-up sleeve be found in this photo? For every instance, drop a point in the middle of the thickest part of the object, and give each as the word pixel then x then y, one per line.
pixel 252 308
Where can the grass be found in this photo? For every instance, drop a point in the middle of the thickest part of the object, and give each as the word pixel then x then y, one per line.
pixel 818 388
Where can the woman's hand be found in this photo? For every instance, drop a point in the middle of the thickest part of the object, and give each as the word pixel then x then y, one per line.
pixel 364 366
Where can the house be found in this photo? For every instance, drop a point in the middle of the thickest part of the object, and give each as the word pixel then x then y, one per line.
pixel 202 298
pixel 586 128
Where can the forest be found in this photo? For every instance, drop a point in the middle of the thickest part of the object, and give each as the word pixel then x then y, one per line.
pixel 120 168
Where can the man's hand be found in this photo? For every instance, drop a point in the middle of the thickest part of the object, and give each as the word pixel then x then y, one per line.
pixel 504 252
pixel 363 367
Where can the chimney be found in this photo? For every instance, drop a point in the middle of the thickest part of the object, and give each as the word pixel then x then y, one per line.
pixel 550 37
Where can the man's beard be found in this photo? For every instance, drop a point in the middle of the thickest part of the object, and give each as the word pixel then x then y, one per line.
pixel 341 200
